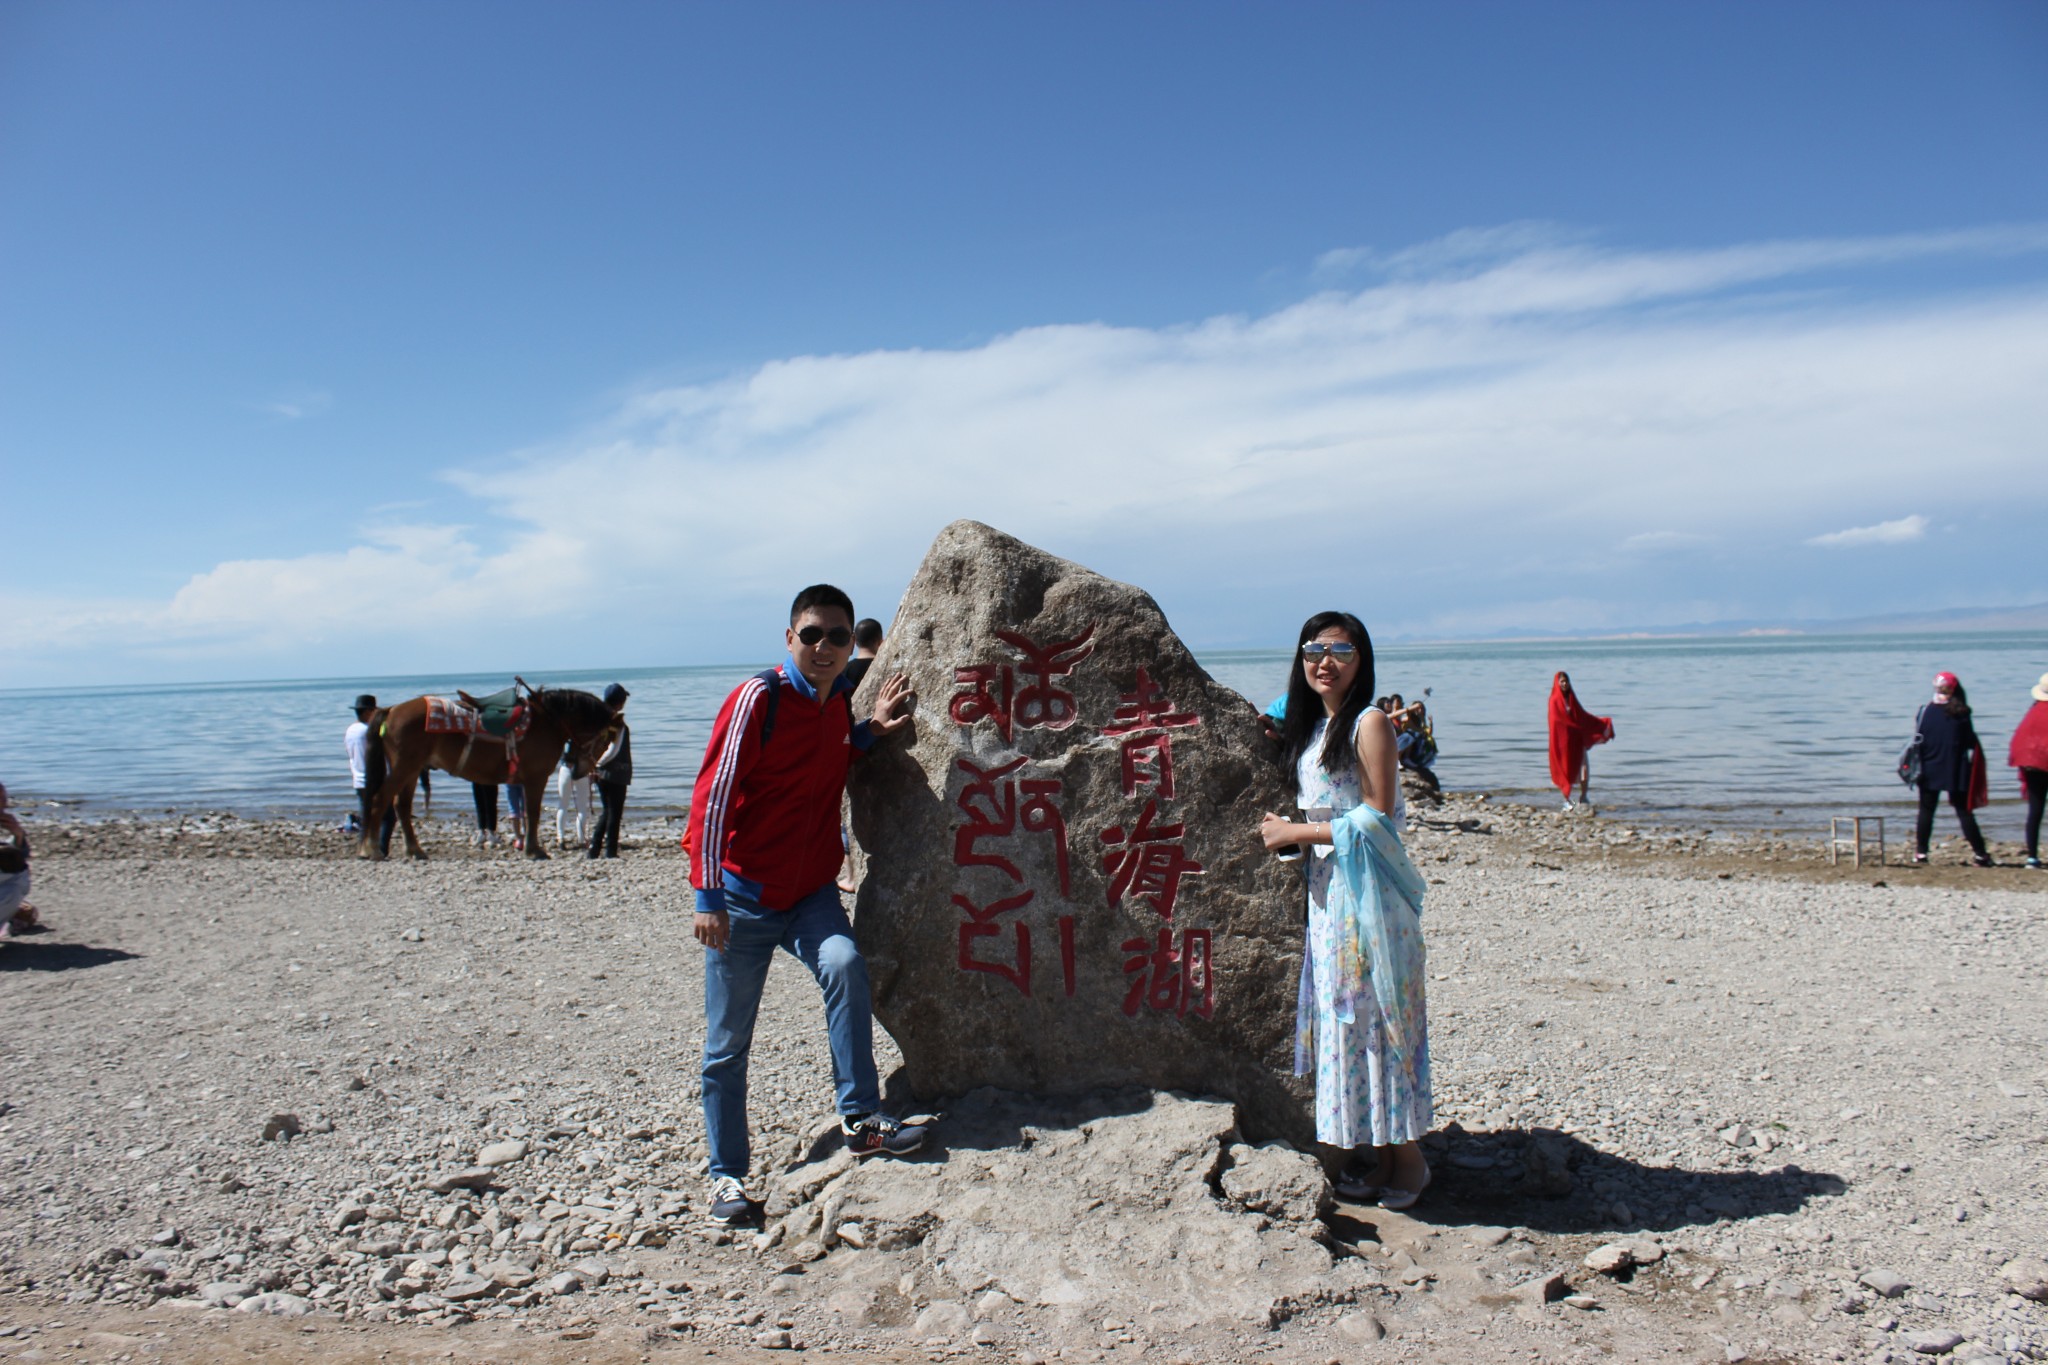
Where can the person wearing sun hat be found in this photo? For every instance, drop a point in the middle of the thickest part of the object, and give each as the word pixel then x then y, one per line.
pixel 2029 753
pixel 1952 761
pixel 356 742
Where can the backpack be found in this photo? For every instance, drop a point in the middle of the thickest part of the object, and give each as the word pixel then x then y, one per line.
pixel 1909 761
pixel 773 678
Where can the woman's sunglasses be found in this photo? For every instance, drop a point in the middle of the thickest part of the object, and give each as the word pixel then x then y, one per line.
pixel 1318 651
pixel 839 636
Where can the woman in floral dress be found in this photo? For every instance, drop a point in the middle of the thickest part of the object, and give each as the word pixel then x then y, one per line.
pixel 1361 1020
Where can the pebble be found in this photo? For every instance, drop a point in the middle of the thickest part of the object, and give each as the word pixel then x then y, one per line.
pixel 501 1153
pixel 1611 1259
pixel 1934 1343
pixel 2026 1276
pixel 1888 1283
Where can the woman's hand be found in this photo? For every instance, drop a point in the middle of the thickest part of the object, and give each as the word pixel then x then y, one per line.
pixel 1277 832
pixel 895 692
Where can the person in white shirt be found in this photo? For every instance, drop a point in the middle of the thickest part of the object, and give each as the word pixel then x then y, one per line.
pixel 356 740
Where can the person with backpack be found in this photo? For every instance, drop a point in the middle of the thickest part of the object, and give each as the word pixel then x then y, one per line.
pixel 764 849
pixel 1952 761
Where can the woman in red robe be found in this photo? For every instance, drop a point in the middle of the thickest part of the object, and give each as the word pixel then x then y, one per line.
pixel 1573 730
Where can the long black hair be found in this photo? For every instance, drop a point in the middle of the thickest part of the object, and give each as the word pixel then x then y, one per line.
pixel 1305 706
pixel 1959 701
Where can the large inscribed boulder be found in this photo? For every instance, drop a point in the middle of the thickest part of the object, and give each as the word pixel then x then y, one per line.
pixel 1064 886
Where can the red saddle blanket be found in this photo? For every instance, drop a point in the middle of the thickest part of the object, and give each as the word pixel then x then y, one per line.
pixel 447 716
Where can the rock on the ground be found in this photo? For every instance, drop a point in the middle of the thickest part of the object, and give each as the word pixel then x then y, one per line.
pixel 1278 1181
pixel 501 1153
pixel 1935 1342
pixel 1614 1258
pixel 1887 1283
pixel 1065 890
pixel 1102 1200
pixel 2026 1276
pixel 276 1304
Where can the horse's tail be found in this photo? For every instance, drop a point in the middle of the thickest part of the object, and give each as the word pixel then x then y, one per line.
pixel 375 766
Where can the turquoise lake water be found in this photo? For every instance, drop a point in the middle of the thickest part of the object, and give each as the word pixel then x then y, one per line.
pixel 1777 732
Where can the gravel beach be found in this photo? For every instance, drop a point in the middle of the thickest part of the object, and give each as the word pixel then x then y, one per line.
pixel 1699 1099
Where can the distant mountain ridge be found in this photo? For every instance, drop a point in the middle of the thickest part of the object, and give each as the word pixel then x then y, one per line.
pixel 1955 620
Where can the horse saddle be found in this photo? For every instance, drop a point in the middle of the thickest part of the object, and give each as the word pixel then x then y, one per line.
pixel 497 714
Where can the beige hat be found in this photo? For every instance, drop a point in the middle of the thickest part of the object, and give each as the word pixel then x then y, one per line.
pixel 2041 688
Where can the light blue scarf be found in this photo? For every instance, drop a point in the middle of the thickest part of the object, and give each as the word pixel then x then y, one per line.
pixel 1378 896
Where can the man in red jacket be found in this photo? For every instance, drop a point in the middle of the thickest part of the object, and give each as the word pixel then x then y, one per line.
pixel 764 848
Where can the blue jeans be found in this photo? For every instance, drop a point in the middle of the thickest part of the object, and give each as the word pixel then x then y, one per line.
pixel 814 931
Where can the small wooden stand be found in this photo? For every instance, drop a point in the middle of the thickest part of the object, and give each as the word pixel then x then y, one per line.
pixel 1855 837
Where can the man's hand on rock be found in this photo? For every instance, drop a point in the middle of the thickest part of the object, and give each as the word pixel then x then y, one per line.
pixel 896 696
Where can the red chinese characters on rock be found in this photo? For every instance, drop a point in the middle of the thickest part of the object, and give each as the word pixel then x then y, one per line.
pixel 1146 859
pixel 1143 718
pixel 1179 979
pixel 1150 864
pixel 1039 704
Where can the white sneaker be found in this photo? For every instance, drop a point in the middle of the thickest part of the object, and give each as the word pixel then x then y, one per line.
pixel 1568 808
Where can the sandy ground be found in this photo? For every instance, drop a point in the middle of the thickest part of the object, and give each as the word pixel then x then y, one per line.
pixel 1808 1086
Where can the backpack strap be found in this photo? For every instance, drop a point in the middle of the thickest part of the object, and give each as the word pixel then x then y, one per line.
pixel 773 678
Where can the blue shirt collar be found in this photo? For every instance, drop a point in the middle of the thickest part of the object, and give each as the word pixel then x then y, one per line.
pixel 795 677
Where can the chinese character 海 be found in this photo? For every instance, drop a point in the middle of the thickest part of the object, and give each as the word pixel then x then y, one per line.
pixel 1150 864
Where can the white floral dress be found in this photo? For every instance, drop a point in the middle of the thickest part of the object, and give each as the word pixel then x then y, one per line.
pixel 1365 1092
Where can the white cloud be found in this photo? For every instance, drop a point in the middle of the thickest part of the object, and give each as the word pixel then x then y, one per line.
pixel 298 403
pixel 1497 403
pixel 1898 532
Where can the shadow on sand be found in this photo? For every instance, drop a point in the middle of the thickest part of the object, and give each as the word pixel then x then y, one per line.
pixel 29 955
pixel 1551 1181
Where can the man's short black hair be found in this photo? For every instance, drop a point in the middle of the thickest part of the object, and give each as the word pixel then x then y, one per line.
pixel 820 595
pixel 867 633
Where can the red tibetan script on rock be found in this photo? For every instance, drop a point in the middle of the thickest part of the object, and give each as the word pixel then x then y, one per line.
pixel 994 811
pixel 1038 705
pixel 981 923
pixel 1165 977
pixel 1151 863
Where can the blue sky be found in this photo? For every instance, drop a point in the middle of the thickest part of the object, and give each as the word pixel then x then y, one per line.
pixel 379 338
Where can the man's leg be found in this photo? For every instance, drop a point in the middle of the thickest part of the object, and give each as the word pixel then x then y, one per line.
pixel 604 795
pixel 821 938
pixel 733 977
pixel 614 817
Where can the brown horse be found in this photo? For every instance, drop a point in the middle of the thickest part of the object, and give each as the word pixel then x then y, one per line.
pixel 558 720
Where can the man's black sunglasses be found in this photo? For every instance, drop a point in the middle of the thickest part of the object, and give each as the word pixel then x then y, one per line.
pixel 839 636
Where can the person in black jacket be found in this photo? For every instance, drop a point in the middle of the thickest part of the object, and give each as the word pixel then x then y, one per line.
pixel 1952 761
pixel 614 773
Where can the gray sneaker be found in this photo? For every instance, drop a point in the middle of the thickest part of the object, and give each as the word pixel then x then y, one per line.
pixel 880 1135
pixel 731 1205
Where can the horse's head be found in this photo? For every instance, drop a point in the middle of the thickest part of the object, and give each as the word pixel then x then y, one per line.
pixel 584 720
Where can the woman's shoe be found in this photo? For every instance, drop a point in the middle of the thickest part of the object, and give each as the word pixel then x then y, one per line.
pixel 1919 858
pixel 1983 860
pixel 1395 1200
pixel 2035 863
pixel 1355 1184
